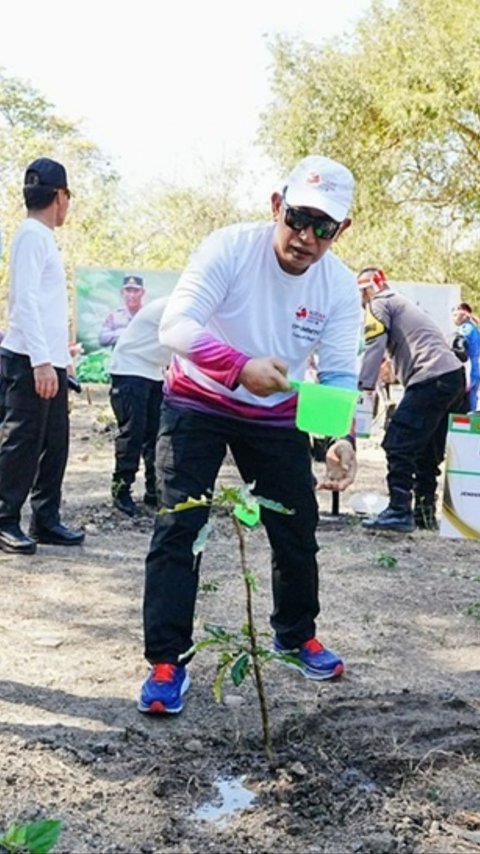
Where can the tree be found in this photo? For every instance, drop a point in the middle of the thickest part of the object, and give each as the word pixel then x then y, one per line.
pixel 398 102
pixel 155 228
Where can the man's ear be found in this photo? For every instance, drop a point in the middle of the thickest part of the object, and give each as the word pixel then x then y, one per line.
pixel 276 206
pixel 345 224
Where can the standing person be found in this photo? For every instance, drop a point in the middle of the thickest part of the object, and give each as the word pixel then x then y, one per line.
pixel 35 361
pixel 116 321
pixel 434 385
pixel 254 302
pixel 470 334
pixel 137 373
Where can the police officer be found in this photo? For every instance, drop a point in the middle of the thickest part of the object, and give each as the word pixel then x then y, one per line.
pixel 116 321
pixel 434 385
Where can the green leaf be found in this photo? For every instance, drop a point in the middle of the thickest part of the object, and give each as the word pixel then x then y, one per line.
pixel 273 505
pixel 189 504
pixel 41 836
pixel 202 538
pixel 14 838
pixel 287 657
pixel 473 610
pixel 387 560
pixel 240 669
pixel 251 581
pixel 218 632
pixel 209 587
pixel 219 680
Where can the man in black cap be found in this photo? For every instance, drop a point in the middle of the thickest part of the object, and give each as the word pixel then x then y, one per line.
pixel 35 362
pixel 116 321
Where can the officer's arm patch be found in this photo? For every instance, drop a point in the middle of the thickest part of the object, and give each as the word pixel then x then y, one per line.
pixel 373 327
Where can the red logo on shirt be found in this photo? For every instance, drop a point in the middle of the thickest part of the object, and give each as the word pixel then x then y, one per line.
pixel 301 313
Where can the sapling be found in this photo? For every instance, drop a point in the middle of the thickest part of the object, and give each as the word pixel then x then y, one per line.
pixel 240 653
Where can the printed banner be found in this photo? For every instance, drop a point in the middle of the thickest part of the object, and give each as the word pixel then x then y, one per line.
pixel 461 494
pixel 105 302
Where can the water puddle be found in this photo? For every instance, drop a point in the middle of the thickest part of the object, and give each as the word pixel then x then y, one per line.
pixel 232 796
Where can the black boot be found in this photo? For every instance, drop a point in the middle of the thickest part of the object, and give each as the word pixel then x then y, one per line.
pixel 122 499
pixel 150 499
pixel 397 516
pixel 424 513
pixel 150 496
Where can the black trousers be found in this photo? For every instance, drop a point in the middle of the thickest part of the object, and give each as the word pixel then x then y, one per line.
pixel 136 403
pixel 34 445
pixel 415 438
pixel 190 451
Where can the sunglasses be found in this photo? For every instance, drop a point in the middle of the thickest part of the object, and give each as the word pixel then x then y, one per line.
pixel 323 226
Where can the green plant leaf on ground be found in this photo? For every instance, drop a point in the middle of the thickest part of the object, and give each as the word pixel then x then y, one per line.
pixel 387 560
pixel 36 837
pixel 209 587
pixel 14 838
pixel 473 610
pixel 42 835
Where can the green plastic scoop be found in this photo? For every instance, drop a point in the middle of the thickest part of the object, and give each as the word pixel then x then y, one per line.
pixel 248 515
pixel 324 410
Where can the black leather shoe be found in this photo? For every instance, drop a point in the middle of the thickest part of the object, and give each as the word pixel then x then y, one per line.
pixel 12 539
pixel 57 535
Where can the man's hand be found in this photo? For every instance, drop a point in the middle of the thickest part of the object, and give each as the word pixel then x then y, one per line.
pixel 265 376
pixel 341 466
pixel 46 381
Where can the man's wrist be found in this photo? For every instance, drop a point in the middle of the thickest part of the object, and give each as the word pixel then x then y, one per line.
pixel 349 438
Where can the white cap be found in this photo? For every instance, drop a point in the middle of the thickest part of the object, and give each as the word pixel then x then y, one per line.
pixel 321 183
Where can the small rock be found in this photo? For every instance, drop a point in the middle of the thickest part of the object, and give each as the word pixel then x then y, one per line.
pixel 298 768
pixel 194 745
pixel 233 701
pixel 90 528
pixel 380 843
pixel 51 643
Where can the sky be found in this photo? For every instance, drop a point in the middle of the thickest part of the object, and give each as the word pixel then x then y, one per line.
pixel 167 90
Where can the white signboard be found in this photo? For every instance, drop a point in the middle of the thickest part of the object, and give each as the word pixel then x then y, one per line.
pixel 437 301
pixel 461 493
pixel 364 415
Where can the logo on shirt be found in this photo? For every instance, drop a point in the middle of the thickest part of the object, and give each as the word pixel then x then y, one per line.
pixel 313 316
pixel 308 324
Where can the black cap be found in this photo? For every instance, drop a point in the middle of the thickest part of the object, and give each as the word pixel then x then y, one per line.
pixel 132 282
pixel 46 173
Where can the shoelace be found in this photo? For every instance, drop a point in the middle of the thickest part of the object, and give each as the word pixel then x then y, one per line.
pixel 313 645
pixel 163 672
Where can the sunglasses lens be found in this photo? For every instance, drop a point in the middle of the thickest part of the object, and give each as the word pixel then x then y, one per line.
pixel 296 219
pixel 327 230
pixel 323 228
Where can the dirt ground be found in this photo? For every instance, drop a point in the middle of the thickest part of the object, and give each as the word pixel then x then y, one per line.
pixel 384 760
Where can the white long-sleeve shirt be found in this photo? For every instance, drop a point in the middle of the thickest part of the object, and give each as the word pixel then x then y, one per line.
pixel 234 302
pixel 138 351
pixel 38 305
